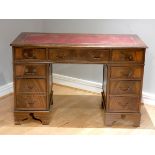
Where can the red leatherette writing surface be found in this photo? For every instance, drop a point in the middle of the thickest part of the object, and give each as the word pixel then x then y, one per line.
pixel 114 40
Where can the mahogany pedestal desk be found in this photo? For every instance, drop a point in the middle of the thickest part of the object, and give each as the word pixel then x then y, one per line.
pixel 123 58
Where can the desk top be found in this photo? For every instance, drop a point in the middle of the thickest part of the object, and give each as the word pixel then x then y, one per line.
pixel 78 40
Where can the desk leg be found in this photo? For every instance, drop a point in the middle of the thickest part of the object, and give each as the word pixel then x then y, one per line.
pixel 51 85
pixel 111 118
pixel 19 117
pixel 103 100
pixel 42 116
pixel 104 87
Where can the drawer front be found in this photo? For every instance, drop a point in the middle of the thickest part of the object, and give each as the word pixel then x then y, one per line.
pixel 96 55
pixel 30 53
pixel 125 87
pixel 135 72
pixel 22 70
pixel 30 85
pixel 74 55
pixel 123 104
pixel 31 102
pixel 62 55
pixel 128 56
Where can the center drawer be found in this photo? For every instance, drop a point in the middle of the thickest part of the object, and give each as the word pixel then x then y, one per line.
pixel 125 87
pixel 31 102
pixel 62 55
pixel 96 55
pixel 83 55
pixel 31 85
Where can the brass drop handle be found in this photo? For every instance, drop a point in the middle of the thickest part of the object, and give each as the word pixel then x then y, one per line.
pixel 126 56
pixel 124 88
pixel 127 74
pixel 29 55
pixel 96 57
pixel 30 103
pixel 30 71
pixel 130 58
pixel 25 54
pixel 123 116
pixel 30 87
pixel 123 104
pixel 60 56
pixel 26 70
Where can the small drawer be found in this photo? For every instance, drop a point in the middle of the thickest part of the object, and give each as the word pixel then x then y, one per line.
pixel 30 53
pixel 30 85
pixel 128 56
pixel 127 72
pixel 63 55
pixel 123 104
pixel 31 102
pixel 96 55
pixel 22 70
pixel 82 55
pixel 124 87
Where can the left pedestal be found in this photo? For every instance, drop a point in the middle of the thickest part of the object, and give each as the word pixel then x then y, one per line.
pixel 32 84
